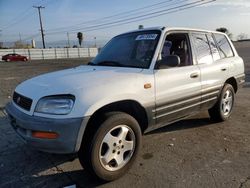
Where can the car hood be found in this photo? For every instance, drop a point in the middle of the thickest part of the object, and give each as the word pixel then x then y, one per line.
pixel 70 80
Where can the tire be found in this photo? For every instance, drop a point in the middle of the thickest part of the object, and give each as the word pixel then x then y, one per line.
pixel 222 110
pixel 113 147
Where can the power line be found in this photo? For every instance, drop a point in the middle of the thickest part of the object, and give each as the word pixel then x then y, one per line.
pixel 18 20
pixel 131 13
pixel 24 16
pixel 176 2
pixel 170 12
pixel 135 18
pixel 134 11
pixel 19 17
pixel 141 17
pixel 131 18
pixel 41 24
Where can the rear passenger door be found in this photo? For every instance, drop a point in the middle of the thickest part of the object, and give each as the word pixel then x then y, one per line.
pixel 214 69
pixel 177 88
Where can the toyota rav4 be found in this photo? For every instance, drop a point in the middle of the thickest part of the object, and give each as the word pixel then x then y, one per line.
pixel 140 81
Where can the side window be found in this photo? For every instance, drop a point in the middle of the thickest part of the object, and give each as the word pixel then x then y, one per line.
pixel 202 47
pixel 214 51
pixel 223 46
pixel 178 44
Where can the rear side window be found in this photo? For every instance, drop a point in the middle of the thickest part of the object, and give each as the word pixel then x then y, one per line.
pixel 202 48
pixel 214 51
pixel 223 46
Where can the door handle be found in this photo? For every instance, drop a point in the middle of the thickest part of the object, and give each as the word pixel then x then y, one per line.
pixel 194 75
pixel 223 69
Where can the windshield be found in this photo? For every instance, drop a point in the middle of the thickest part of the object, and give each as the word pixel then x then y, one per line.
pixel 129 50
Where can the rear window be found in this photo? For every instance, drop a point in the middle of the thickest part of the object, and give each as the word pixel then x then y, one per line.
pixel 202 48
pixel 223 46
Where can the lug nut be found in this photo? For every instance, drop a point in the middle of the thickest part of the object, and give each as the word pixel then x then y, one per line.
pixel 114 144
pixel 113 151
pixel 122 146
pixel 120 141
pixel 118 152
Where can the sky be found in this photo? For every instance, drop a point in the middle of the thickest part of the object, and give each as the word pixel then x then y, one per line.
pixel 19 19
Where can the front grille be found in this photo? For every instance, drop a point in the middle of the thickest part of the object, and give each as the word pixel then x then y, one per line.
pixel 23 102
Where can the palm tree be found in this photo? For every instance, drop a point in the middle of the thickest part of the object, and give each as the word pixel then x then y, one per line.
pixel 80 38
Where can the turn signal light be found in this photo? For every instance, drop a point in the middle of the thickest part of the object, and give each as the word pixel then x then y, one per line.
pixel 147 86
pixel 45 135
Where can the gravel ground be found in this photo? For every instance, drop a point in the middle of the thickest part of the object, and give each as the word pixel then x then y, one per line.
pixel 191 153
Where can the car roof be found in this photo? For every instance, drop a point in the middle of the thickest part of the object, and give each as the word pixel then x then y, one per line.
pixel 165 28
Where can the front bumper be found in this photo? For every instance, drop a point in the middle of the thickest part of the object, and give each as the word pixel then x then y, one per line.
pixel 70 131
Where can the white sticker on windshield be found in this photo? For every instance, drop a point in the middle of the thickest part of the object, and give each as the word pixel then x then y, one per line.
pixel 146 37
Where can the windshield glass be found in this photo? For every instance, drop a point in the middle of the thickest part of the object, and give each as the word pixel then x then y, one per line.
pixel 129 50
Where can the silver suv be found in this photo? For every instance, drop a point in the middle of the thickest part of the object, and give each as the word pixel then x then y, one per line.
pixel 140 81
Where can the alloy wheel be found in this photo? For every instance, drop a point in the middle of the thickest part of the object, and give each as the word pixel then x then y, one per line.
pixel 117 148
pixel 227 102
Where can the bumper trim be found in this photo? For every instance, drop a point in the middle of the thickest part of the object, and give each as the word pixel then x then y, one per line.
pixel 70 131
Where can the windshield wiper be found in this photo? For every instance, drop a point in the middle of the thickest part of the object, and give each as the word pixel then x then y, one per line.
pixel 91 63
pixel 134 66
pixel 110 63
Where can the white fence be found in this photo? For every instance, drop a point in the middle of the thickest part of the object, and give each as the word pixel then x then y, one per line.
pixel 52 53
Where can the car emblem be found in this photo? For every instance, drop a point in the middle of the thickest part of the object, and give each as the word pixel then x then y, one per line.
pixel 18 99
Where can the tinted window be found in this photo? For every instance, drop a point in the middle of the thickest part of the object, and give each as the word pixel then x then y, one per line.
pixel 223 46
pixel 202 48
pixel 214 51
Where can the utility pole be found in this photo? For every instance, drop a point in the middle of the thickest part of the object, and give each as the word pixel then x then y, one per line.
pixel 1 43
pixel 95 41
pixel 68 39
pixel 41 24
pixel 20 38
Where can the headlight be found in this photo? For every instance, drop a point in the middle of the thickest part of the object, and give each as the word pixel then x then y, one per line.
pixel 58 105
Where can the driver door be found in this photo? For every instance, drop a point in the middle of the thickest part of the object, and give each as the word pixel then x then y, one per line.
pixel 178 89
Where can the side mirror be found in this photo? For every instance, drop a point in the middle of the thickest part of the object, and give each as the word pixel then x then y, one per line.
pixel 169 61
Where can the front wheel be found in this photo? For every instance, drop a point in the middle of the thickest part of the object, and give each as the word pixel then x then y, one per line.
pixel 113 147
pixel 222 110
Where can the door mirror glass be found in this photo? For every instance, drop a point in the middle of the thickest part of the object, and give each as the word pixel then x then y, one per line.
pixel 168 61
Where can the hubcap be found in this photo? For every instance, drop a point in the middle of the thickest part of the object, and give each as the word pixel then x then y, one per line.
pixel 117 147
pixel 227 102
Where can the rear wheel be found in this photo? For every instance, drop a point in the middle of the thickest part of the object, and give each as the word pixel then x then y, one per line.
pixel 113 148
pixel 222 110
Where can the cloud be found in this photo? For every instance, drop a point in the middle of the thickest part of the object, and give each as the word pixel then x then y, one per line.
pixel 231 3
pixel 245 14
